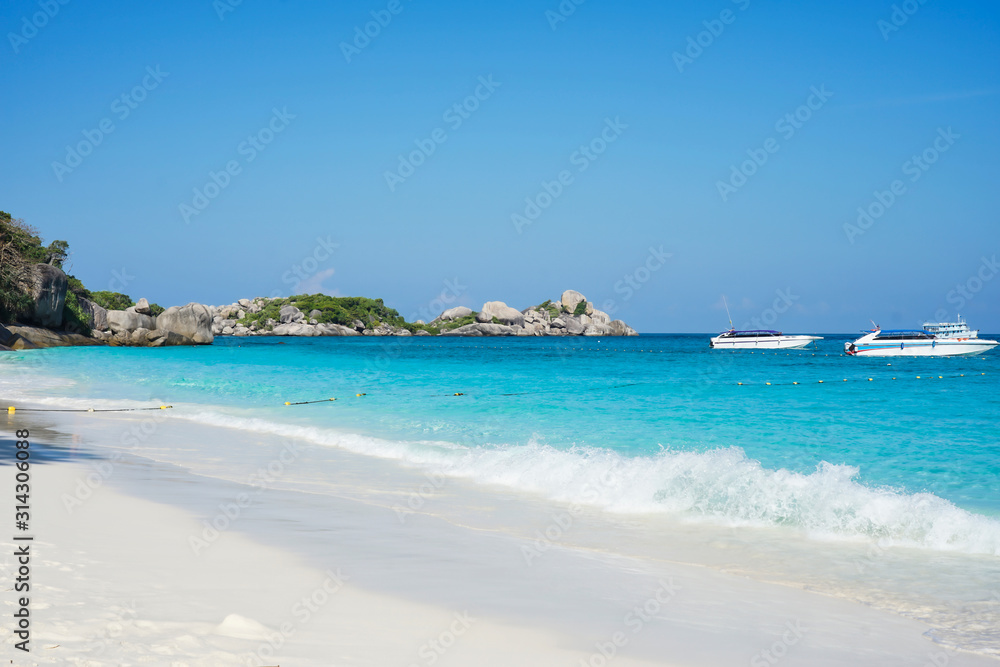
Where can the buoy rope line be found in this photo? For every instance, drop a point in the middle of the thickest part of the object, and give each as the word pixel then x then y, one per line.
pixel 11 409
pixel 917 377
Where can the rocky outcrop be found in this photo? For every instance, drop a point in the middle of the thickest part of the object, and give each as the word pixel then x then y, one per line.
pixel 13 341
pixel 456 313
pixel 481 329
pixel 330 329
pixel 18 337
pixel 501 312
pixel 48 292
pixel 193 321
pixel 619 328
pixel 178 325
pixel 570 299
pixel 552 318
pixel 296 329
pixel 96 316
pixel 291 314
pixel 128 321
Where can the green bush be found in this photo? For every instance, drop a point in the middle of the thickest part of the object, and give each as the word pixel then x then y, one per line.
pixel 581 308
pixel 460 322
pixel 333 310
pixel 156 309
pixel 74 319
pixel 552 309
pixel 112 300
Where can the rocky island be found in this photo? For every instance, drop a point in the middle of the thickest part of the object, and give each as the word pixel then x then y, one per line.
pixel 320 315
pixel 42 306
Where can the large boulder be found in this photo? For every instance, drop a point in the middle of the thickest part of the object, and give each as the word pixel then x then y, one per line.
pixel 597 329
pixel 160 338
pixel 502 312
pixel 291 314
pixel 572 325
pixel 619 328
pixel 128 321
pixel 97 316
pixel 534 316
pixel 48 291
pixel 138 337
pixel 570 299
pixel 27 338
pixel 456 313
pixel 330 329
pixel 296 329
pixel 10 340
pixel 600 317
pixel 480 329
pixel 193 321
pixel 142 307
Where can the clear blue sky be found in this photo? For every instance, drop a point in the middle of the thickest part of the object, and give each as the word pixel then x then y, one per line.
pixel 447 227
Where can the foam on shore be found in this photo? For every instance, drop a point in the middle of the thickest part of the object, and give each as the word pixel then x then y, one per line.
pixel 117 581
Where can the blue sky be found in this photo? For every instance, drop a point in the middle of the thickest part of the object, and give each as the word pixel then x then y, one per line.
pixel 626 148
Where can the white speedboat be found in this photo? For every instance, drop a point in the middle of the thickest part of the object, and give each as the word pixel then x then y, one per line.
pixel 759 339
pixel 916 343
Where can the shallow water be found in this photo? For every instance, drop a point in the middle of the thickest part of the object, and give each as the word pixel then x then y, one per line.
pixel 885 490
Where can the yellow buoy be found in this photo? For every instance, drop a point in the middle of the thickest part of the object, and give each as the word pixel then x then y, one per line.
pixel 10 410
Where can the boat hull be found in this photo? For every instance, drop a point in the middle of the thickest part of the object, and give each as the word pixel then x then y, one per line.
pixel 945 347
pixel 763 342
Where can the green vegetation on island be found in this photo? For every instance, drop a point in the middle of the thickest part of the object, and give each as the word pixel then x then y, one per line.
pixel 343 310
pixel 332 310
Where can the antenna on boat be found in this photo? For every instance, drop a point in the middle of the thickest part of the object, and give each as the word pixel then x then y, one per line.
pixel 727 311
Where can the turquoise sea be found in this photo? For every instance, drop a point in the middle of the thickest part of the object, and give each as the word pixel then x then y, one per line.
pixel 872 480
pixel 901 450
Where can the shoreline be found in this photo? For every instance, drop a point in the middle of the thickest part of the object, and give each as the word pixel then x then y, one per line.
pixel 567 601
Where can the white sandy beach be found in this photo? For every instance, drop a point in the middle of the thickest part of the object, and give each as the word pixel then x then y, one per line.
pixel 119 577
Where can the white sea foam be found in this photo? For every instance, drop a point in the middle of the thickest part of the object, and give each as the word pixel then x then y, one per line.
pixel 722 486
